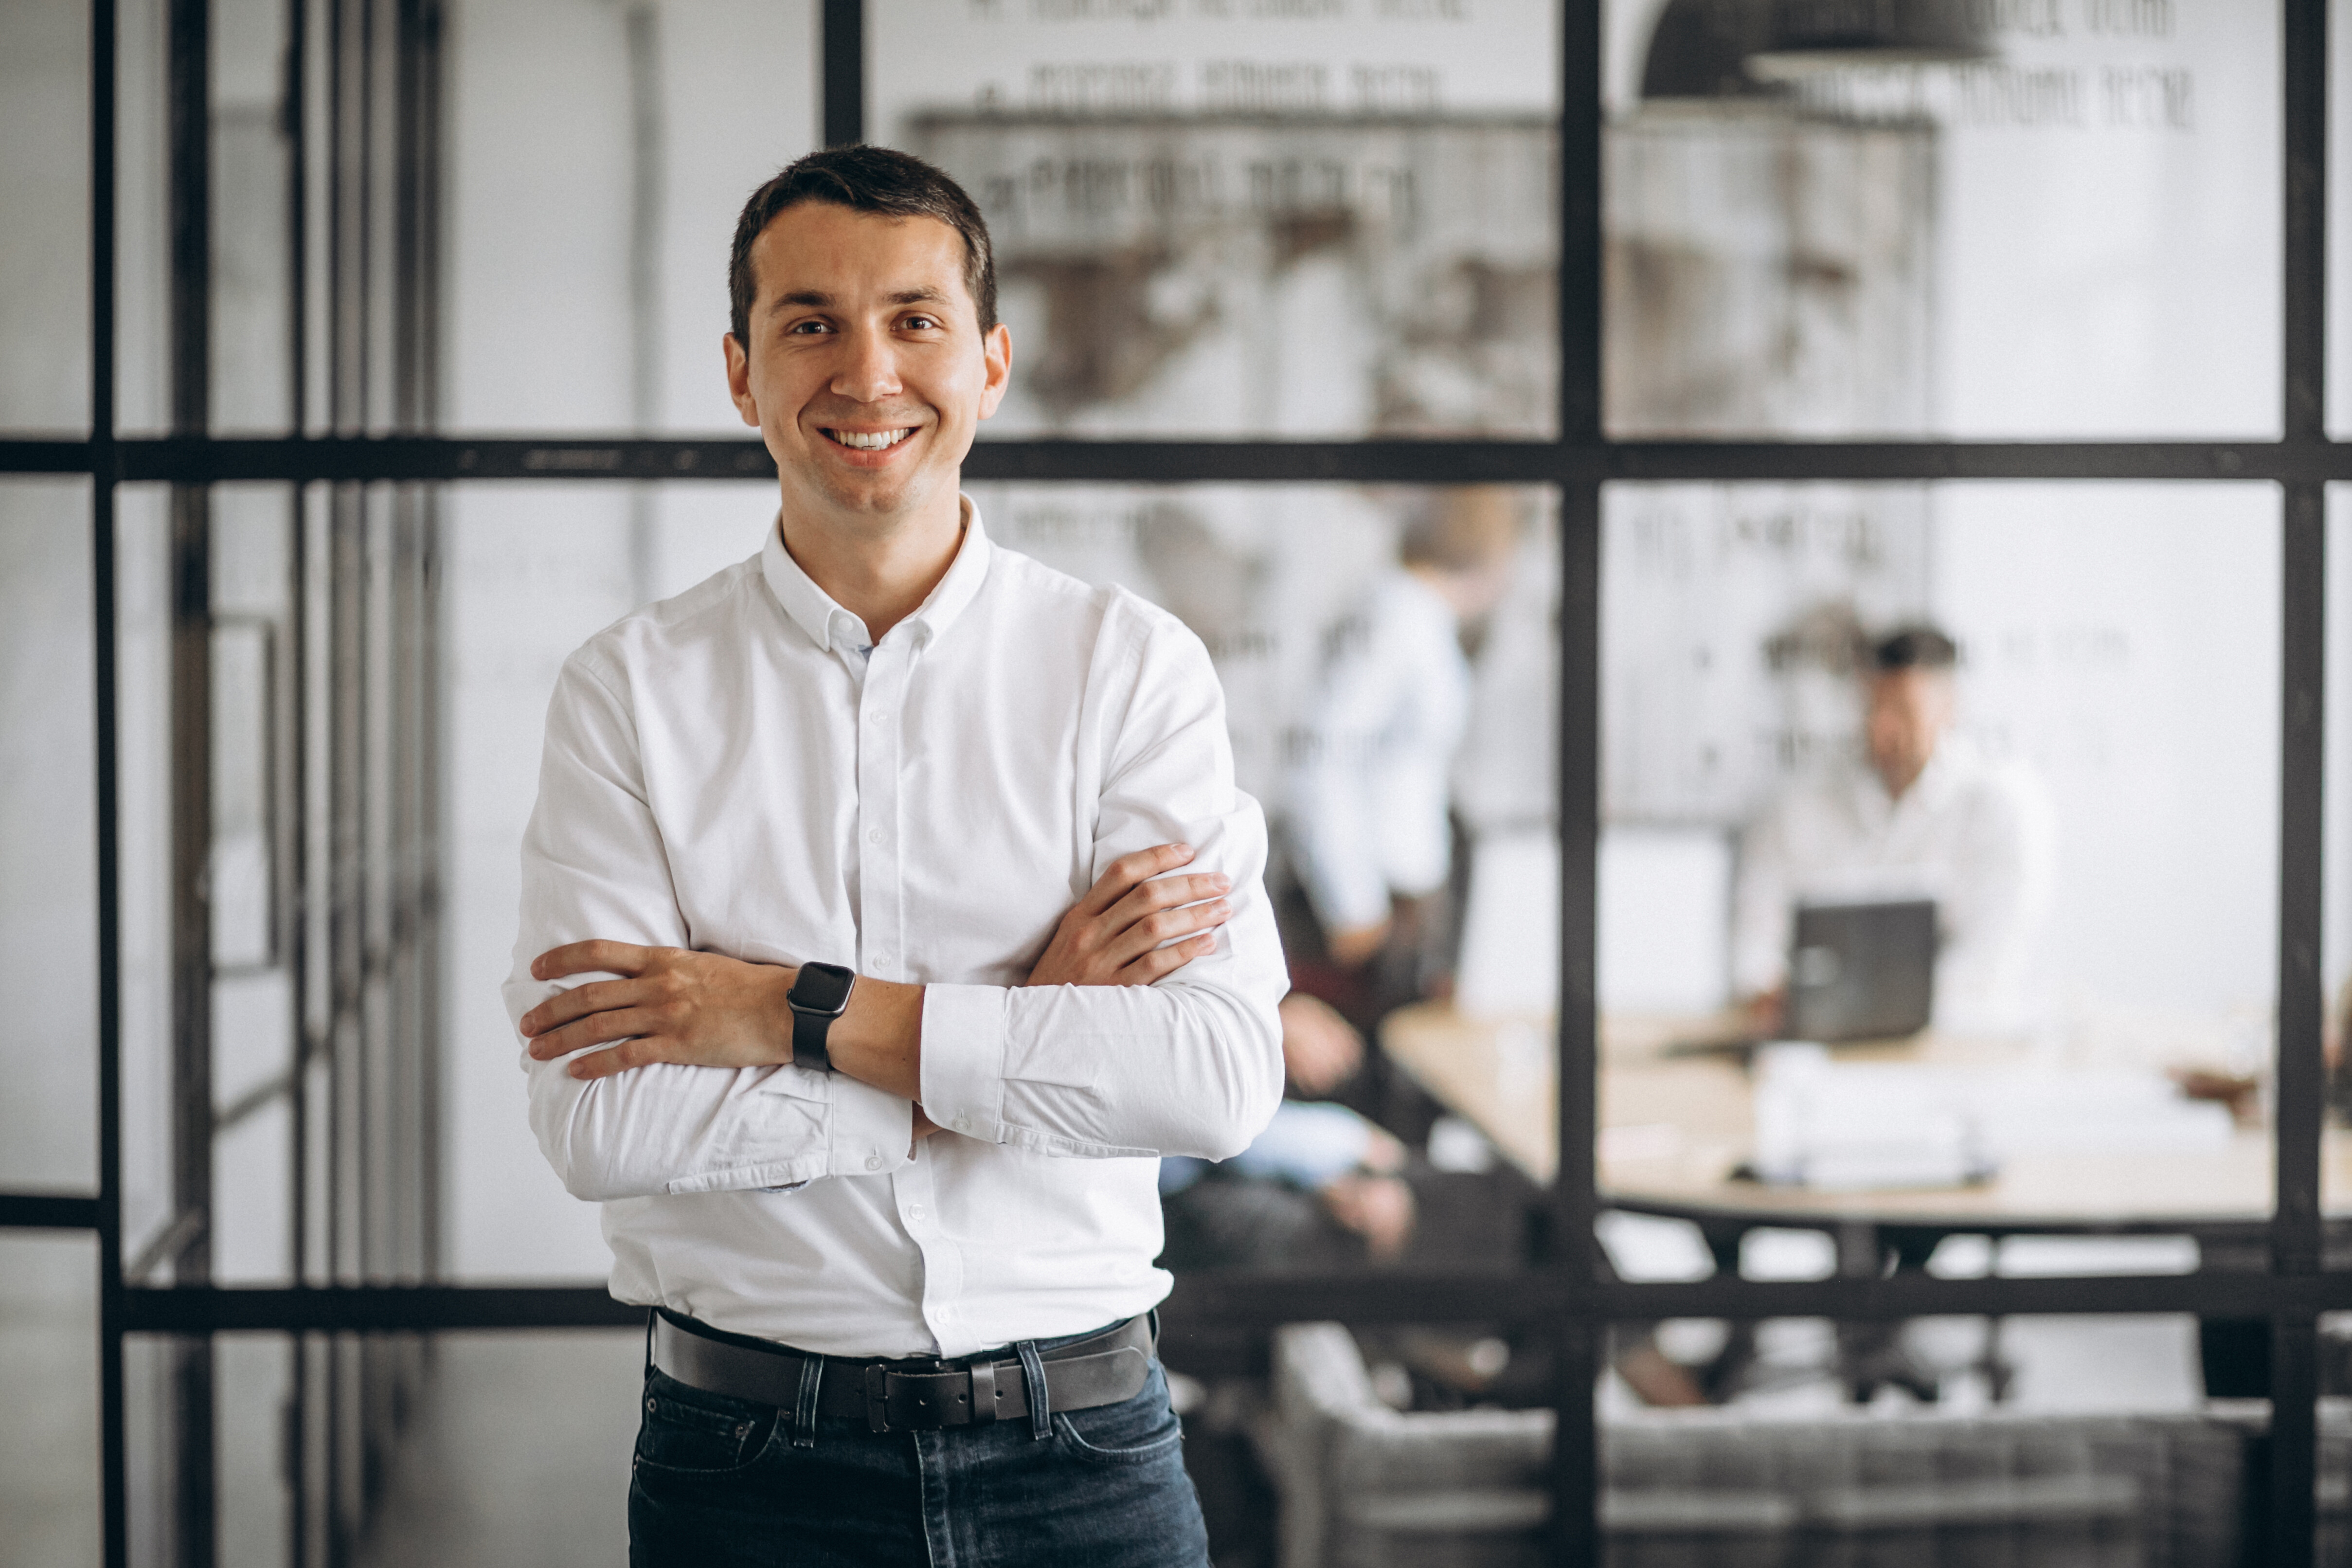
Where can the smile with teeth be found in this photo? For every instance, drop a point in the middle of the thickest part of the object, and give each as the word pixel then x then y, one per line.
pixel 870 440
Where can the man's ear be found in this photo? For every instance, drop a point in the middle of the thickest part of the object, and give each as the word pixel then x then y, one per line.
pixel 738 378
pixel 996 352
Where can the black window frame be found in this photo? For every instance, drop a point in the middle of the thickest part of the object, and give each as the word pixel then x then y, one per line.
pixel 1566 1294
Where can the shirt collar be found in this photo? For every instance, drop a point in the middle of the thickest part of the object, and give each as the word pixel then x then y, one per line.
pixel 832 627
pixel 1951 763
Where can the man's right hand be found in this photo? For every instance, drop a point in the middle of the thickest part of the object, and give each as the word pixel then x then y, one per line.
pixel 1114 935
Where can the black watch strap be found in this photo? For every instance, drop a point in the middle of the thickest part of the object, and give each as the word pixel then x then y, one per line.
pixel 809 1031
pixel 818 997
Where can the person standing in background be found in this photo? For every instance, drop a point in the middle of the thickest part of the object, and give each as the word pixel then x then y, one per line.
pixel 1920 813
pixel 1370 838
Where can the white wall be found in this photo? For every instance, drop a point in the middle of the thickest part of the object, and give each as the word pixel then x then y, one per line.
pixel 2123 639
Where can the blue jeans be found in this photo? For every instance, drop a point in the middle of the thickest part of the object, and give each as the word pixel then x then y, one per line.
pixel 718 1481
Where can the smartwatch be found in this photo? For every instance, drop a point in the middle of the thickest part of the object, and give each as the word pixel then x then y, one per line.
pixel 820 993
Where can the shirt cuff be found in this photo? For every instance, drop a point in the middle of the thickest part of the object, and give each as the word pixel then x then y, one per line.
pixel 869 1131
pixel 963 1058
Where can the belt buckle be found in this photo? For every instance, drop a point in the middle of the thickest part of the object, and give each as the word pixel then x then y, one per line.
pixel 878 1397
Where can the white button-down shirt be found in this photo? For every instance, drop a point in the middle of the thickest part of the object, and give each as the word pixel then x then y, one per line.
pixel 743 770
pixel 1976 838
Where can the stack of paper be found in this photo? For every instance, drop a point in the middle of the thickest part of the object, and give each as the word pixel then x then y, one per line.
pixel 1853 1126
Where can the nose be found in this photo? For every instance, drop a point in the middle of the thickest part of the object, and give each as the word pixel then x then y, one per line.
pixel 868 370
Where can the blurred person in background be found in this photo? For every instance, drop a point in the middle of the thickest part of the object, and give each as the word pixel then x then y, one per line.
pixel 1370 835
pixel 1320 1187
pixel 1920 813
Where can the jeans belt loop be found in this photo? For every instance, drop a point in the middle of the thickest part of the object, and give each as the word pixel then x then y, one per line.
pixel 983 1391
pixel 805 1403
pixel 1041 1412
pixel 878 1397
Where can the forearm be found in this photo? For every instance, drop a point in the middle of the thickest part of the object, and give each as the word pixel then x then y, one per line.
pixel 878 1041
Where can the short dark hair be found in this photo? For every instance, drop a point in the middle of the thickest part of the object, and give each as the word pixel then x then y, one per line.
pixel 867 180
pixel 1919 646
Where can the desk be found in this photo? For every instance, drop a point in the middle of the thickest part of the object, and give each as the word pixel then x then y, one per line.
pixel 1673 1127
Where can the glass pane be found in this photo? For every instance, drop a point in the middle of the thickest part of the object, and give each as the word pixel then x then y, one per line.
pixel 48 1378
pixel 1252 221
pixel 1436 819
pixel 2068 227
pixel 142 291
pixel 49 836
pixel 252 164
pixel 1937 867
pixel 45 218
pixel 143 764
pixel 597 158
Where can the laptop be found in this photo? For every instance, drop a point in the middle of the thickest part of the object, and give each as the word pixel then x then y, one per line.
pixel 1861 971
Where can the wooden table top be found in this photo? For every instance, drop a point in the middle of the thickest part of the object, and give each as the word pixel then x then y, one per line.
pixel 1673 1128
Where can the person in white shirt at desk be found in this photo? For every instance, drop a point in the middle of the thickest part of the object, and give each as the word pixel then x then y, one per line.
pixel 1921 813
pixel 1370 839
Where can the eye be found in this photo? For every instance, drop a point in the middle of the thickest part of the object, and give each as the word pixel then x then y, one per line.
pixel 921 323
pixel 808 327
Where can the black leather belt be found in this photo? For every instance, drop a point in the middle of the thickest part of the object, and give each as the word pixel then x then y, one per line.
pixel 904 1396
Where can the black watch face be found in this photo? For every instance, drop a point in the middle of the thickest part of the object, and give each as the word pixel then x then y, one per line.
pixel 823 987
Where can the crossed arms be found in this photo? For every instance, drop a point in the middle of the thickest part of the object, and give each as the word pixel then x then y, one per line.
pixel 1115 1046
pixel 705 1009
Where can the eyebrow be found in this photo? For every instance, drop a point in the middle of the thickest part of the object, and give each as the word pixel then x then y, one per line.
pixel 819 300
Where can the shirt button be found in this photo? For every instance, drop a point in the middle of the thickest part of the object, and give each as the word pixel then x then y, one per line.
pixel 914 1210
pixel 872 1161
pixel 882 961
pixel 874 835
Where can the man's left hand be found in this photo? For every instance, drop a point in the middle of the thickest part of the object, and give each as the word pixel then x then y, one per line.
pixel 670 1004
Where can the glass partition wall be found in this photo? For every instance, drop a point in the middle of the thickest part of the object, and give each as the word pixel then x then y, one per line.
pixel 400 313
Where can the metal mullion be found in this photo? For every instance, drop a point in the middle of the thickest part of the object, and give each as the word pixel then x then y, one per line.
pixel 2303 83
pixel 1250 1299
pixel 193 1464
pixel 407 1006
pixel 841 94
pixel 294 938
pixel 1577 1336
pixel 2301 1075
pixel 21 455
pixel 113 1487
pixel 48 1211
pixel 347 457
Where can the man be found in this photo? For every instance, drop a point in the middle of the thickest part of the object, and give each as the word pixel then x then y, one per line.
pixel 804 833
pixel 1370 835
pixel 1923 814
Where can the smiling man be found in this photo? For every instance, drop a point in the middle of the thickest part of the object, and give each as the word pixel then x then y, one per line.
pixel 860 980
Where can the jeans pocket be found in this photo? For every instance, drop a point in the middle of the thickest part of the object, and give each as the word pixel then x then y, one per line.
pixel 688 1432
pixel 1132 1432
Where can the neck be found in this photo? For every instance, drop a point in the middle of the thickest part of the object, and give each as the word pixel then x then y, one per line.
pixel 1446 585
pixel 880 572
pixel 1897 781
